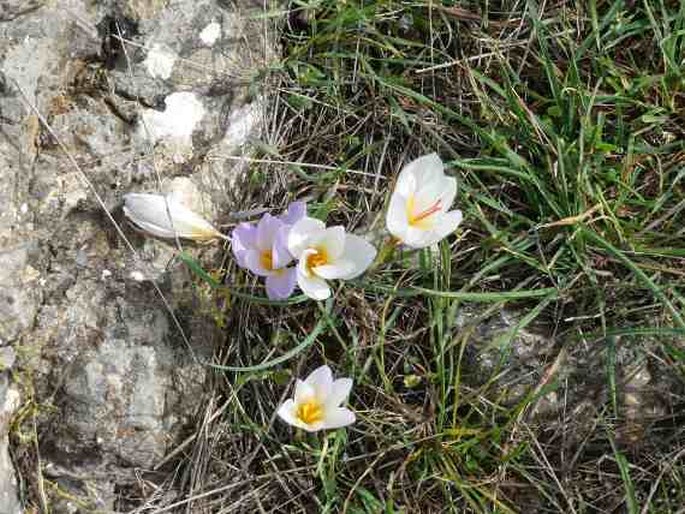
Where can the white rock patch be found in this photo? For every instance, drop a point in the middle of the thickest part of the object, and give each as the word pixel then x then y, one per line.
pixel 242 124
pixel 137 276
pixel 176 124
pixel 210 33
pixel 160 61
pixel 185 192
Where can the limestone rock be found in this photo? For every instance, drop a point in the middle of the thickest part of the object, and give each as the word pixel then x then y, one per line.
pixel 569 379
pixel 9 403
pixel 115 378
pixel 21 290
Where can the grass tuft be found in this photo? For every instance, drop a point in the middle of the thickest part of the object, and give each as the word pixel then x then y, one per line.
pixel 534 362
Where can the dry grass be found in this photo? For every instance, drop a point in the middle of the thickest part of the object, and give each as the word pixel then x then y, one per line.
pixel 563 124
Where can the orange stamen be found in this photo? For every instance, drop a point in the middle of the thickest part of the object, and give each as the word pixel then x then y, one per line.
pixel 415 218
pixel 317 259
pixel 267 260
pixel 310 412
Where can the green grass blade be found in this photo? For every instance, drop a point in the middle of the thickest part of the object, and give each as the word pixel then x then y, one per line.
pixel 319 328
pixel 462 295
pixel 624 469
pixel 641 275
pixel 196 268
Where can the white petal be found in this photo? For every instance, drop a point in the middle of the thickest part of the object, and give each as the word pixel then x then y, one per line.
pixel 301 233
pixel 360 252
pixel 447 224
pixel 443 190
pixel 420 238
pixel 450 192
pixel 339 392
pixel 164 217
pixel 423 170
pixel 287 413
pixel 338 417
pixel 303 392
pixel 338 269
pixel 302 268
pixel 396 218
pixel 314 287
pixel 333 242
pixel 314 427
pixel 406 182
pixel 321 380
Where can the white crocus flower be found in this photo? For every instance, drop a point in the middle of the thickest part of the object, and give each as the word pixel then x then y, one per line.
pixel 418 214
pixel 326 254
pixel 166 217
pixel 317 402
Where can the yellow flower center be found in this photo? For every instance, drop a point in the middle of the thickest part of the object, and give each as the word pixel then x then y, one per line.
pixel 415 218
pixel 267 260
pixel 318 258
pixel 310 412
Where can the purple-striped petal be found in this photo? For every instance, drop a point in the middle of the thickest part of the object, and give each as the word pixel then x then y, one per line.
pixel 267 231
pixel 243 238
pixel 294 213
pixel 279 251
pixel 253 262
pixel 281 285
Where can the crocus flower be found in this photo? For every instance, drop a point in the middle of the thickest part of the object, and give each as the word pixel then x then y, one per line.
pixel 325 254
pixel 262 248
pixel 166 217
pixel 418 214
pixel 317 402
pixel 294 213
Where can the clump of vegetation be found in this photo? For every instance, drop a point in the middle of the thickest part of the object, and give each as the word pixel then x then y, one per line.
pixel 534 362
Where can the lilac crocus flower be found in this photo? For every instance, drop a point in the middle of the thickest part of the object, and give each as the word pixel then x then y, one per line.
pixel 294 213
pixel 263 249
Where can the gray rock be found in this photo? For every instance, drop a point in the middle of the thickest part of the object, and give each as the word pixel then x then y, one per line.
pixel 512 364
pixel 115 378
pixel 9 403
pixel 119 397
pixel 7 358
pixel 494 344
pixel 20 293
